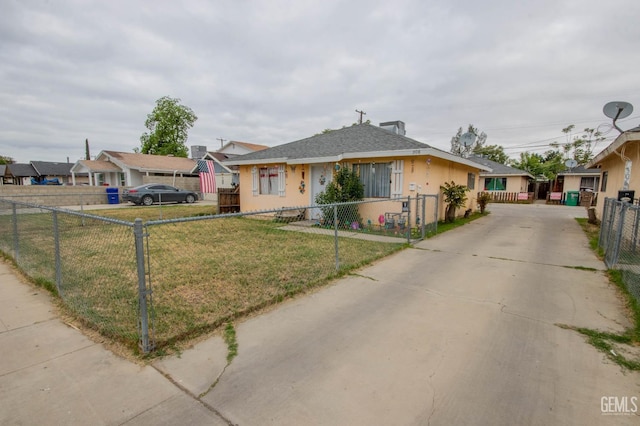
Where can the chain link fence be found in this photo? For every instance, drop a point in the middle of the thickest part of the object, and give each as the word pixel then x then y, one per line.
pixel 620 243
pixel 156 282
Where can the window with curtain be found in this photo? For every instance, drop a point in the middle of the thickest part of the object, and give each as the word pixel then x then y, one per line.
pixel 495 184
pixel 589 182
pixel 268 180
pixel 376 178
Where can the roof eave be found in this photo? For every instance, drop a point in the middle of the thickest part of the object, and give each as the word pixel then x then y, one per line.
pixel 622 139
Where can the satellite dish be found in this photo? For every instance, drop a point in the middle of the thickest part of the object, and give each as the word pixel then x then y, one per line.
pixel 467 139
pixel 571 163
pixel 617 110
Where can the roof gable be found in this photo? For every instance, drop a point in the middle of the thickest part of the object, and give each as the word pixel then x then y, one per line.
pixel 628 136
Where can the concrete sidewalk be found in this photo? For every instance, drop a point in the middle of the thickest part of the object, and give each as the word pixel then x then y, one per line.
pixel 51 374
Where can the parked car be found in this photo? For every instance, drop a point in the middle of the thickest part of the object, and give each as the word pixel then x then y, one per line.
pixel 158 193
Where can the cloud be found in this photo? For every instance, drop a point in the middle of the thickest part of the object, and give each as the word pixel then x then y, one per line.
pixel 271 72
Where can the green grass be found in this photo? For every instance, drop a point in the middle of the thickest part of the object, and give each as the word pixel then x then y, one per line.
pixel 604 341
pixel 461 221
pixel 203 274
pixel 230 340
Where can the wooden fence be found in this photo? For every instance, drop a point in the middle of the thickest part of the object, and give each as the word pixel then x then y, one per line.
pixel 510 197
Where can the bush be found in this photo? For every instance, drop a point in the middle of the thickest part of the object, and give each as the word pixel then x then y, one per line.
pixel 344 187
pixel 455 196
pixel 483 199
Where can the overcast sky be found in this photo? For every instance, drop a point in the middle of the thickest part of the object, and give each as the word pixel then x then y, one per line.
pixel 271 72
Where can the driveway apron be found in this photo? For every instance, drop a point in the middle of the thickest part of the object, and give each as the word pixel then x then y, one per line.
pixel 460 329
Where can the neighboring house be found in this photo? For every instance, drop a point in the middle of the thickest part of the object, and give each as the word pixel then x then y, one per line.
pixel 235 148
pixel 619 167
pixel 19 174
pixel 115 168
pixel 389 164
pixel 50 171
pixel 578 179
pixel 226 176
pixel 3 169
pixel 502 179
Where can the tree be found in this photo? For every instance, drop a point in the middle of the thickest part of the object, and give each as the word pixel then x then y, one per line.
pixel 579 147
pixel 530 162
pixel 168 125
pixel 6 160
pixel 455 196
pixel 344 187
pixel 458 149
pixel 492 152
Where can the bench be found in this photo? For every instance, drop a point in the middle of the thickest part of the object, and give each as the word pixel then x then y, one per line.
pixel 290 215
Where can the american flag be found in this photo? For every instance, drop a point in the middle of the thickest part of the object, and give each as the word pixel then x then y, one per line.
pixel 207 173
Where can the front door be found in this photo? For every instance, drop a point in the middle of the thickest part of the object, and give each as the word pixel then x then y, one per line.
pixel 321 175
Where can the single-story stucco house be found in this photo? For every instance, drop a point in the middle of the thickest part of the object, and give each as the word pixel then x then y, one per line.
pixel 503 182
pixel 619 166
pixel 389 164
pixel 120 169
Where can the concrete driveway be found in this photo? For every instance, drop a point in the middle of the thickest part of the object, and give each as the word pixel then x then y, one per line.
pixel 460 330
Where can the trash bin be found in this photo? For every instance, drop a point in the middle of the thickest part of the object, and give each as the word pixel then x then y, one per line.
pixel 572 198
pixel 112 196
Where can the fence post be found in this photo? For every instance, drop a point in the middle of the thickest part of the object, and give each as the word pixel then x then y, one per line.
pixel 335 232
pixel 56 244
pixel 619 232
pixel 138 232
pixel 603 224
pixel 435 212
pixel 423 226
pixel 16 240
pixel 408 228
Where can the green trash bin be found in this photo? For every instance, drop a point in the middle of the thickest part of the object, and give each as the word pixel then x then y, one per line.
pixel 573 197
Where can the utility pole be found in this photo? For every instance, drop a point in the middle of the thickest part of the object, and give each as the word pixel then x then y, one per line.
pixel 361 114
pixel 221 142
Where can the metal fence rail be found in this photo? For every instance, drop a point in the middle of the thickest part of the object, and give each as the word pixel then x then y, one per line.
pixel 620 241
pixel 160 281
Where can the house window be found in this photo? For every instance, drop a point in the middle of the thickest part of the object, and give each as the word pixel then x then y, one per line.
pixel 603 187
pixel 495 184
pixel 376 178
pixel 268 180
pixel 589 182
pixel 471 181
pixel 99 177
pixel 121 178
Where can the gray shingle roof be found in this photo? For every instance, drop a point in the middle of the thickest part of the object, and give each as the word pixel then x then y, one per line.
pixel 499 169
pixel 22 170
pixel 580 170
pixel 48 168
pixel 353 139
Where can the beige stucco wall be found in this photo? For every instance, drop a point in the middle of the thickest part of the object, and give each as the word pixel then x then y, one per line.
pixel 426 173
pixel 514 183
pixel 614 165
